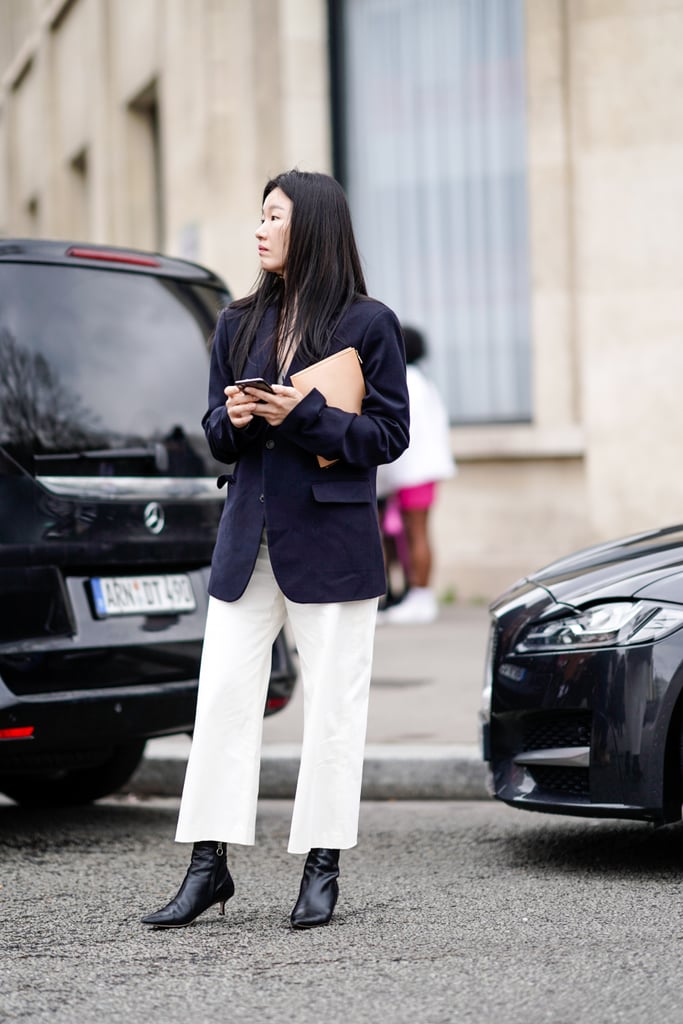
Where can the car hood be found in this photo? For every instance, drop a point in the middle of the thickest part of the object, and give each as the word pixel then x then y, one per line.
pixel 649 565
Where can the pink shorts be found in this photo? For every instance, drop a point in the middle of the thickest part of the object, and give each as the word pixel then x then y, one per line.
pixel 420 497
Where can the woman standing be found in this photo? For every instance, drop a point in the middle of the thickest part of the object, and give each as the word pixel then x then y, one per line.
pixel 296 541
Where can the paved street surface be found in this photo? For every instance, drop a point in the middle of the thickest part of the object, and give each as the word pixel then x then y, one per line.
pixel 449 912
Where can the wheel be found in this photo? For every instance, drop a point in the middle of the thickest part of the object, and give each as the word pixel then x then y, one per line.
pixel 62 787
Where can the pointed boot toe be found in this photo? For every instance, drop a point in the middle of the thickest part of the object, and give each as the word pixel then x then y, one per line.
pixel 207 882
pixel 319 890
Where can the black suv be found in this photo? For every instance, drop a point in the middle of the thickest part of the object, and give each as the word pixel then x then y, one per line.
pixel 108 512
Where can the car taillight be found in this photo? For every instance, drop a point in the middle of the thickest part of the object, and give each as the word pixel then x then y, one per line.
pixel 112 256
pixel 275 703
pixel 21 732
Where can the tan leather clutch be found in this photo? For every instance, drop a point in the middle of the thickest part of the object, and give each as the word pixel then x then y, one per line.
pixel 340 379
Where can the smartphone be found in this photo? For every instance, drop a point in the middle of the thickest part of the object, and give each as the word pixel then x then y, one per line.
pixel 258 383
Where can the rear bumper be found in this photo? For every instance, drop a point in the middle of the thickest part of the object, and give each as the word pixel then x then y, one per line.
pixel 109 682
pixel 65 722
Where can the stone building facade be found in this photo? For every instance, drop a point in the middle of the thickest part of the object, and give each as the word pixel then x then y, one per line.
pixel 154 123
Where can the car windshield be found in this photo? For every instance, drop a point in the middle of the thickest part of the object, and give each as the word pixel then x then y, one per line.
pixel 104 372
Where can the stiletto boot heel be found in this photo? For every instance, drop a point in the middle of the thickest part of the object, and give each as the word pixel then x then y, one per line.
pixel 207 882
pixel 319 889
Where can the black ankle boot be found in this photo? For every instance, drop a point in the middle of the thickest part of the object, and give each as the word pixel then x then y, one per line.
pixel 207 881
pixel 319 889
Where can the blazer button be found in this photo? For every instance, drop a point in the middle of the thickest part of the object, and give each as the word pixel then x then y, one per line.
pixel 261 498
pixel 270 443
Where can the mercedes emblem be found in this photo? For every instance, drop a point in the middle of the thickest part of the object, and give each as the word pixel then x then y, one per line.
pixel 154 517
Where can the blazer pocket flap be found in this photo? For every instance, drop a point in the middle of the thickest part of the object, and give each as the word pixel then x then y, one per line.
pixel 349 491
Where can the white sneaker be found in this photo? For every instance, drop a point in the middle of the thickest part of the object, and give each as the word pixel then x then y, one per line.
pixel 417 607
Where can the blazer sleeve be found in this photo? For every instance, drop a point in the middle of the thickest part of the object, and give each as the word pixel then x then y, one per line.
pixel 381 432
pixel 225 441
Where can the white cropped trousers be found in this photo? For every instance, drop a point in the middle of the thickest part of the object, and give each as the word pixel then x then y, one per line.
pixel 335 647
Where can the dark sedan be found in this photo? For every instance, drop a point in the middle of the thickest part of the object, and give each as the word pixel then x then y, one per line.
pixel 584 702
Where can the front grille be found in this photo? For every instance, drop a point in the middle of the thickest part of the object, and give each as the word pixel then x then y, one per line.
pixel 569 781
pixel 560 729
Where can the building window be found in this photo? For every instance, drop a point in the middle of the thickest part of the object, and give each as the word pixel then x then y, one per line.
pixel 145 181
pixel 430 129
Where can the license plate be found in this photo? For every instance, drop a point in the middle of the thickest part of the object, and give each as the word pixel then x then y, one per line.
pixel 142 595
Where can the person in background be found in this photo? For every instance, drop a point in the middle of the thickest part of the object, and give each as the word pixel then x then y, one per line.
pixel 395 545
pixel 411 484
pixel 296 542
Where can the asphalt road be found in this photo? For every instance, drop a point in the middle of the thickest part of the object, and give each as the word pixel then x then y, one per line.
pixel 449 912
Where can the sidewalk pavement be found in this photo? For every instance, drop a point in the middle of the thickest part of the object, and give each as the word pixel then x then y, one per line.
pixel 423 727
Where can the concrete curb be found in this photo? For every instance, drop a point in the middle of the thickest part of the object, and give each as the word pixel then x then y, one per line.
pixel 391 772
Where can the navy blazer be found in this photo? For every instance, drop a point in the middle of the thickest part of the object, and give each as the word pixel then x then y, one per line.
pixel 322 528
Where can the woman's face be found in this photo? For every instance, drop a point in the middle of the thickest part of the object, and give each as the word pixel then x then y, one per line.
pixel 273 234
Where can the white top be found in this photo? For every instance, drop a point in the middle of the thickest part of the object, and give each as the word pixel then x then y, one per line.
pixel 428 458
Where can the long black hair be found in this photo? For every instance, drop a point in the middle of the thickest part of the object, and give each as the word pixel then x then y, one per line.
pixel 323 273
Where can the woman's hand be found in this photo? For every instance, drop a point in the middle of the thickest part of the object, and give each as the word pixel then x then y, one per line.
pixel 242 406
pixel 276 407
pixel 239 406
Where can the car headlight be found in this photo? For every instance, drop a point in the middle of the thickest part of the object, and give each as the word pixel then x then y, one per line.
pixel 603 625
